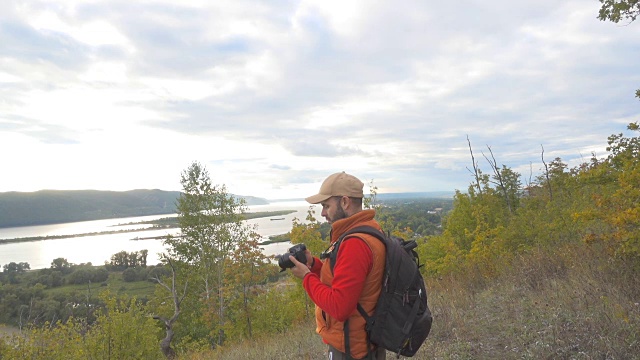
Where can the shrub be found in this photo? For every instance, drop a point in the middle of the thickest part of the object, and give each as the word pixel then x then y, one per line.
pixel 130 275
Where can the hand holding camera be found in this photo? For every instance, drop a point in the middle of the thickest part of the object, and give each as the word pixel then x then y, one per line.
pixel 296 260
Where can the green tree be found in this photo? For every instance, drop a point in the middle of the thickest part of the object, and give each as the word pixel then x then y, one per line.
pixel 80 276
pixel 13 269
pixel 144 253
pixel 596 201
pixel 247 272
pixel 616 10
pixel 308 232
pixel 61 264
pixel 371 201
pixel 17 268
pixel 129 275
pixel 122 330
pixel 134 259
pixel 211 225
pixel 120 260
pixel 476 231
pixel 278 308
pixel 615 218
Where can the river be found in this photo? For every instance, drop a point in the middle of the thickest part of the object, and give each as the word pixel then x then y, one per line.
pixel 97 249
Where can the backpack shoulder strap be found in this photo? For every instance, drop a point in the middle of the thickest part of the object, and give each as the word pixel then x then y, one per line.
pixel 369 230
pixel 364 229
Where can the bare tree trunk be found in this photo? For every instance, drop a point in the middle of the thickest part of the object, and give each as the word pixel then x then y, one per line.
pixel 498 176
pixel 529 183
pixel 245 305
pixel 476 172
pixel 221 319
pixel 546 174
pixel 165 344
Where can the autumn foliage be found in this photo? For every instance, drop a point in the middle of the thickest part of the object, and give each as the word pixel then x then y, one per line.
pixel 495 221
pixel 545 269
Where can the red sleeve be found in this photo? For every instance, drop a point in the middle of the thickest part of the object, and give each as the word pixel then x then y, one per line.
pixel 317 265
pixel 353 263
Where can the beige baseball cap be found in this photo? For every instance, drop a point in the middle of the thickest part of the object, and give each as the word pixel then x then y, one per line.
pixel 338 184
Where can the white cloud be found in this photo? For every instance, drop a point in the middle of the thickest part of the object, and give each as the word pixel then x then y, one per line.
pixel 274 96
pixel 108 72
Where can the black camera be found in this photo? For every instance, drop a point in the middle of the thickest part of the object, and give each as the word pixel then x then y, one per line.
pixel 298 252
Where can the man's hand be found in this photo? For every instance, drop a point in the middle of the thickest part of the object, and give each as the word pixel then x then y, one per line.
pixel 300 269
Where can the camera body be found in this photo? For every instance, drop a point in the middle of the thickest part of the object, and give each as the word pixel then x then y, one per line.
pixel 298 252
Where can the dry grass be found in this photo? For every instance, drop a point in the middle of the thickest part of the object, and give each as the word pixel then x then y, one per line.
pixel 300 342
pixel 574 304
pixel 8 331
pixel 570 304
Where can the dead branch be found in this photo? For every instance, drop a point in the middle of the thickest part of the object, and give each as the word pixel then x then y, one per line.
pixel 546 174
pixel 476 171
pixel 165 344
pixel 498 176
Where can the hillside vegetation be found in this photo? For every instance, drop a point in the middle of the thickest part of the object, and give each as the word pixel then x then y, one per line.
pixel 545 270
pixel 549 269
pixel 61 206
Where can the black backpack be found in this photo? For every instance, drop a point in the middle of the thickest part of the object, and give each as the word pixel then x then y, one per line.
pixel 402 319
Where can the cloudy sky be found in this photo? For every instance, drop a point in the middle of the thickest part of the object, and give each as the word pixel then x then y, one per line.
pixel 273 96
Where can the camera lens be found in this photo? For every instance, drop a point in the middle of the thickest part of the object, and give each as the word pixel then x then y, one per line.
pixel 284 262
pixel 298 251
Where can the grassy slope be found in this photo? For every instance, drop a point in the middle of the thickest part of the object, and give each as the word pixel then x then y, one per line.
pixel 569 304
pixel 6 330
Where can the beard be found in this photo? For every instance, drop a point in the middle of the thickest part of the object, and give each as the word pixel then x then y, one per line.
pixel 340 214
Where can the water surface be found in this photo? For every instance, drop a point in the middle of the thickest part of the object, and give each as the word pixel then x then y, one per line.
pixel 97 249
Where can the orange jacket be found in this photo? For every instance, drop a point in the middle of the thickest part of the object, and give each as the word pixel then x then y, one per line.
pixel 331 329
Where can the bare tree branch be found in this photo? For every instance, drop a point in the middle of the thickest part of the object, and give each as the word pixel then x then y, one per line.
pixel 530 178
pixel 546 174
pixel 476 171
pixel 165 344
pixel 498 176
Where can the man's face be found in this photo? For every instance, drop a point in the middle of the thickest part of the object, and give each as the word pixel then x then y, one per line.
pixel 332 209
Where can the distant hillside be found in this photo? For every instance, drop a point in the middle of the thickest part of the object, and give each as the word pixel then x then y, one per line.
pixel 395 196
pixel 61 206
pixel 416 195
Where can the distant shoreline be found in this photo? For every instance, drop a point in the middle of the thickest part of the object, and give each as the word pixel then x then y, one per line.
pixel 159 224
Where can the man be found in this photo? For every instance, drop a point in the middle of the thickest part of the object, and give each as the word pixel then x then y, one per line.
pixel 357 274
